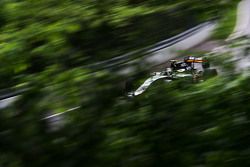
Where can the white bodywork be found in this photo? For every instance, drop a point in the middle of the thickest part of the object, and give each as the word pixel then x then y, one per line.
pixel 157 76
pixel 148 82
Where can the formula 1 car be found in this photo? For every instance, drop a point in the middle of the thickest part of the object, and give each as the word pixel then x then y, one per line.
pixel 178 69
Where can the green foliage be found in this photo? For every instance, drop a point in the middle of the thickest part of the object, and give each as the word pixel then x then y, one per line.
pixel 76 32
pixel 227 22
pixel 43 45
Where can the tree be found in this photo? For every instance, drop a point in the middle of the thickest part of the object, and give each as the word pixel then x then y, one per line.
pixel 175 125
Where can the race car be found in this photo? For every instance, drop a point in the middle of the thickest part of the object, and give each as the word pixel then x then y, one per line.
pixel 178 69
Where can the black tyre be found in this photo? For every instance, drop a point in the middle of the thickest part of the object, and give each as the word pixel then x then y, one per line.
pixel 206 64
pixel 208 73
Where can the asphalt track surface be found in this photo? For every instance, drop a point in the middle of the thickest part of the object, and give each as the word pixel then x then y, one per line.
pixel 241 54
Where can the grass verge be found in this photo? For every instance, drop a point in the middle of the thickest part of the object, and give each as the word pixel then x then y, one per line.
pixel 226 24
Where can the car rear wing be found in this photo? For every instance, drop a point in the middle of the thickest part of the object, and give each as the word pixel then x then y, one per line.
pixel 195 60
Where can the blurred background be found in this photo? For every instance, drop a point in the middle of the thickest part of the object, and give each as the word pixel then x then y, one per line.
pixel 63 92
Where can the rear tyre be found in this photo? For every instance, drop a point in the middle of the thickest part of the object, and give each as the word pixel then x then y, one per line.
pixel 209 73
pixel 206 64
